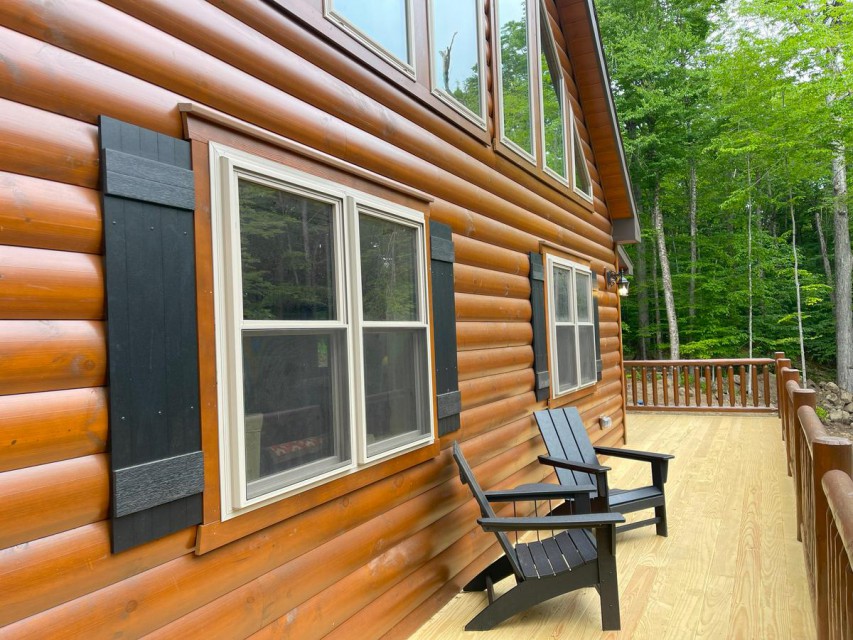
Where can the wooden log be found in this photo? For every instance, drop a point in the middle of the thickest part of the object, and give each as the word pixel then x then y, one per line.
pixel 476 253
pixel 50 285
pixel 709 387
pixel 76 87
pixel 731 373
pixel 41 501
pixel 766 377
pixel 634 386
pixel 481 335
pixel 51 355
pixel 497 387
pixel 686 385
pixel 39 428
pixel 488 282
pixel 486 362
pixel 49 215
pixel 59 568
pixel 477 226
pixel 665 373
pixel 697 385
pixel 645 387
pixel 496 414
pixel 654 373
pixel 103 34
pixel 719 386
pixel 43 145
pixel 474 307
pixel 754 378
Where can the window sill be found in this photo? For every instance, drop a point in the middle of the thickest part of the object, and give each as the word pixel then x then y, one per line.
pixel 572 396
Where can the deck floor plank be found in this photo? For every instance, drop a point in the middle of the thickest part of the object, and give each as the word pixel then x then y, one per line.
pixel 730 568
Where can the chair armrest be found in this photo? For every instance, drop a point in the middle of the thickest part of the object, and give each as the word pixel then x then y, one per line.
pixel 646 456
pixel 573 466
pixel 542 491
pixel 584 521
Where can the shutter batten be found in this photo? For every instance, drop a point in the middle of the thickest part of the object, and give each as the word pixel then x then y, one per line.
pixel 155 440
pixel 540 327
pixel 449 401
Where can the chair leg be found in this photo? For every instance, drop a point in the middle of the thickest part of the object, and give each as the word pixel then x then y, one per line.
pixel 608 584
pixel 497 571
pixel 660 513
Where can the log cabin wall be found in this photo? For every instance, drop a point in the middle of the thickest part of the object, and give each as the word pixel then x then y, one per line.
pixel 375 562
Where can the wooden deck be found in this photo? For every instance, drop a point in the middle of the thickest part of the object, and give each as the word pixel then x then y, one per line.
pixel 730 568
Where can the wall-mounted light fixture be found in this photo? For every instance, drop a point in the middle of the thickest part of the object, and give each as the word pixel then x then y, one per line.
pixel 620 280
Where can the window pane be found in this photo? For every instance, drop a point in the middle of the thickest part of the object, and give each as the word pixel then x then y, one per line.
pixel 582 180
pixel 567 364
pixel 389 273
pixel 515 73
pixel 287 255
pixel 583 283
pixel 562 294
pixel 552 104
pixel 456 55
pixel 395 381
pixel 383 21
pixel 586 335
pixel 295 399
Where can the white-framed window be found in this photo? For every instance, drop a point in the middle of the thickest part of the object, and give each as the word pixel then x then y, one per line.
pixel 514 71
pixel 457 56
pixel 323 355
pixel 552 88
pixel 386 26
pixel 581 181
pixel 571 326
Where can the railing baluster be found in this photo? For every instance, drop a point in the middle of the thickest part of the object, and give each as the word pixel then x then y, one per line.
pixel 709 394
pixel 754 371
pixel 731 372
pixel 645 387
pixel 654 386
pixel 665 378
pixel 686 385
pixel 766 385
pixel 634 386
pixel 719 386
pixel 697 385
pixel 742 378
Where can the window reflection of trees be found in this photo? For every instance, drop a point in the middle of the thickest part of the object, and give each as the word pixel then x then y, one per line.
pixel 515 84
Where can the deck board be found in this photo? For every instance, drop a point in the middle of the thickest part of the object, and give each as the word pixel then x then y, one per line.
pixel 730 568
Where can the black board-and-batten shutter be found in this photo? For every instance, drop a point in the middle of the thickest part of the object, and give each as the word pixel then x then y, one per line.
pixel 599 369
pixel 442 256
pixel 149 258
pixel 540 327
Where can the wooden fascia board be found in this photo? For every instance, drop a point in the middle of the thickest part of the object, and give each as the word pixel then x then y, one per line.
pixel 580 27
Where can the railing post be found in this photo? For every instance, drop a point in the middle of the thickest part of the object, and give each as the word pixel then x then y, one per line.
pixel 794 448
pixel 781 365
pixel 789 420
pixel 829 453
pixel 778 357
pixel 838 488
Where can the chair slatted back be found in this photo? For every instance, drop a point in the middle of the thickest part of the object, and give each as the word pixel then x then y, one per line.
pixel 467 477
pixel 566 437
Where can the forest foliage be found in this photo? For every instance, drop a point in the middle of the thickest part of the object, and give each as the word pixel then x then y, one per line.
pixel 753 98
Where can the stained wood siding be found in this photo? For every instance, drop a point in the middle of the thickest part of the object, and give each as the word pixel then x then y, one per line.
pixel 375 562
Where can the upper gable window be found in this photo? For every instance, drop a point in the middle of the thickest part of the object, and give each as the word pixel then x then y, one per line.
pixel 553 104
pixel 515 87
pixel 385 25
pixel 581 182
pixel 457 54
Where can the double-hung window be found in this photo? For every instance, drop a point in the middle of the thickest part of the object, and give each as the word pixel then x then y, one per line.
pixel 572 329
pixel 322 329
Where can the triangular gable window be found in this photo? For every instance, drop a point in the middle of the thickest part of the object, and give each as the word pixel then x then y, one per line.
pixel 582 181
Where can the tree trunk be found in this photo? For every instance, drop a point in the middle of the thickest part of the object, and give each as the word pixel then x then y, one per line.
pixel 694 256
pixel 641 284
pixel 824 253
pixel 666 278
pixel 797 285
pixel 843 268
pixel 658 323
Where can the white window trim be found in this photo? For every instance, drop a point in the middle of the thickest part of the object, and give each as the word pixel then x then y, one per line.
pixel 575 134
pixel 441 94
pixel 543 18
pixel 226 164
pixel 573 267
pixel 532 45
pixel 406 66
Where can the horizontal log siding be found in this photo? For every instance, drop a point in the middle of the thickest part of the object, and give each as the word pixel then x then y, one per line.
pixel 401 546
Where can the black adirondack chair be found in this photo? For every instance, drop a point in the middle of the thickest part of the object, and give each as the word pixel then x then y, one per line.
pixel 548 567
pixel 575 461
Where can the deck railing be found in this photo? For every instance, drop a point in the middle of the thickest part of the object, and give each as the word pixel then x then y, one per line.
pixel 820 465
pixel 735 384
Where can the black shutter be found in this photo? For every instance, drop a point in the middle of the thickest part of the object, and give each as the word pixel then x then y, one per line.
pixel 599 371
pixel 155 440
pixel 540 326
pixel 444 328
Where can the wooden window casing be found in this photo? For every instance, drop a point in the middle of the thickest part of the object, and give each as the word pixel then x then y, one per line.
pixel 204 126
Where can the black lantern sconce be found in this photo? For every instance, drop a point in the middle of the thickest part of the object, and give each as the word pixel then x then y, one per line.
pixel 620 280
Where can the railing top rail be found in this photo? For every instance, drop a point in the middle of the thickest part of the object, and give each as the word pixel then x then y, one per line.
pixel 791 386
pixel 838 487
pixel 711 362
pixel 814 430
